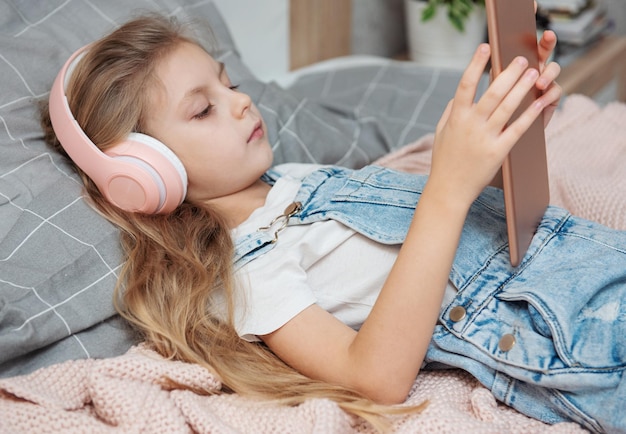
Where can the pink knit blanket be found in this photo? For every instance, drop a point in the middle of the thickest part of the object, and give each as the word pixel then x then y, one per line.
pixel 132 393
pixel 141 392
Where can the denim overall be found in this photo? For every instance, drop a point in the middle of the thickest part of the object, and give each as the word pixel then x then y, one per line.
pixel 548 337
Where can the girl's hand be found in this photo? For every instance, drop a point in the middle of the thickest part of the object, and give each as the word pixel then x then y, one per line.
pixel 549 73
pixel 472 138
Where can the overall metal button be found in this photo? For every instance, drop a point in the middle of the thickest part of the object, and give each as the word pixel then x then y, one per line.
pixel 292 208
pixel 457 313
pixel 507 342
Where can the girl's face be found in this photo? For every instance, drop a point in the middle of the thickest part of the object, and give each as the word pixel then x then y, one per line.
pixel 215 131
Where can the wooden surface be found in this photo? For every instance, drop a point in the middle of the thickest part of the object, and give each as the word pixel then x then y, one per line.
pixel 320 30
pixel 592 71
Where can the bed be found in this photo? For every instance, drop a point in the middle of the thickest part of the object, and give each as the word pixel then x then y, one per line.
pixel 68 363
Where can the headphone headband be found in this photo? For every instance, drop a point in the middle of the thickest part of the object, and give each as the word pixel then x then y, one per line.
pixel 140 174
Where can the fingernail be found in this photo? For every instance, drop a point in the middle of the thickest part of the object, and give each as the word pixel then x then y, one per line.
pixel 532 74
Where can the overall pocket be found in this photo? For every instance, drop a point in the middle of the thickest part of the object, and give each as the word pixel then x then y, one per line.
pixel 574 293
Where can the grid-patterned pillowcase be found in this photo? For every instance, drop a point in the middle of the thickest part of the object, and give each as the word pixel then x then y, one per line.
pixel 58 258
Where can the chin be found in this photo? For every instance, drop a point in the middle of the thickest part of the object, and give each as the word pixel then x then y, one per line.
pixel 269 157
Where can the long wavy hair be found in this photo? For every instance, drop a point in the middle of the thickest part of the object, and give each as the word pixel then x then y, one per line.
pixel 175 264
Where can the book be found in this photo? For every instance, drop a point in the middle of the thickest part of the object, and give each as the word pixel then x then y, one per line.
pixel 579 29
pixel 566 8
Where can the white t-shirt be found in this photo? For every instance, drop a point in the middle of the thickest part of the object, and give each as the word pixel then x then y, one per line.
pixel 325 263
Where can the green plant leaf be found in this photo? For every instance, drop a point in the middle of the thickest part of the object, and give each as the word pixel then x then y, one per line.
pixel 461 8
pixel 458 11
pixel 429 12
pixel 465 4
pixel 457 22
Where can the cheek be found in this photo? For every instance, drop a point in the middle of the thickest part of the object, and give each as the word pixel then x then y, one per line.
pixel 210 166
pixel 196 154
pixel 202 183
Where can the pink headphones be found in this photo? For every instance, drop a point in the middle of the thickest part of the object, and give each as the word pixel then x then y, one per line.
pixel 140 174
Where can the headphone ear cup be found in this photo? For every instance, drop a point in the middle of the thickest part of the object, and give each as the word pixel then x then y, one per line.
pixel 153 180
pixel 139 174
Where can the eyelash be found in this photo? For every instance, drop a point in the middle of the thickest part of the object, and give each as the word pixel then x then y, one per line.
pixel 204 113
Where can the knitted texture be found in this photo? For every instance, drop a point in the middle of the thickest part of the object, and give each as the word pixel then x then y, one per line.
pixel 132 393
pixel 587 160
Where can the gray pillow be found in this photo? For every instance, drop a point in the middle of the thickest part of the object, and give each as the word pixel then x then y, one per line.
pixel 59 260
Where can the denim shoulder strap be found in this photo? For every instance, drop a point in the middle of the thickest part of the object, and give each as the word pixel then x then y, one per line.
pixel 376 202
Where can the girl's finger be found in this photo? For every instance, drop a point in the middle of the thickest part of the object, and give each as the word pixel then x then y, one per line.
pixel 500 87
pixel 505 110
pixel 550 100
pixel 548 75
pixel 552 95
pixel 466 90
pixel 546 46
pixel 518 127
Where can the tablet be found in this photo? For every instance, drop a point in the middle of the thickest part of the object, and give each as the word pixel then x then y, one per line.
pixel 512 32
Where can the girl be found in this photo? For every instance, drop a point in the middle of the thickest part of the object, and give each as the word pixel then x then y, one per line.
pixel 340 286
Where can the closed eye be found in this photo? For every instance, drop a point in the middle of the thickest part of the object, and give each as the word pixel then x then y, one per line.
pixel 204 113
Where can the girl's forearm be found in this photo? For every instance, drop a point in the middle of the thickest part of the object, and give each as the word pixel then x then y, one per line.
pixel 392 343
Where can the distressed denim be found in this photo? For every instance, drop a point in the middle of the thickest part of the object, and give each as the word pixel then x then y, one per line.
pixel 547 337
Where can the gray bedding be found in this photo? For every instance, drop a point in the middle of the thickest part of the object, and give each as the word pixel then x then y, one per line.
pixel 58 259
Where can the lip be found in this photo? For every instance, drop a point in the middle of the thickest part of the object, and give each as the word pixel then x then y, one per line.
pixel 257 132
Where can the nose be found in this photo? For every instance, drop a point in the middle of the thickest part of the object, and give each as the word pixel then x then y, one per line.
pixel 240 103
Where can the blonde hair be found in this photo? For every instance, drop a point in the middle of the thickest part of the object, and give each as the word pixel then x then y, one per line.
pixel 175 263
